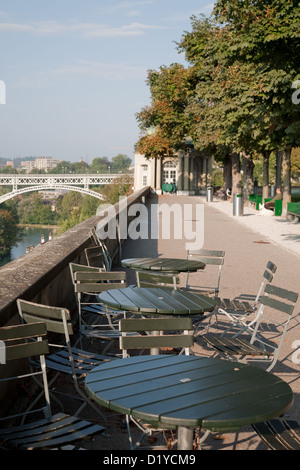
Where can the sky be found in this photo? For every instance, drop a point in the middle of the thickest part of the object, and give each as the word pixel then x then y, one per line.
pixel 73 72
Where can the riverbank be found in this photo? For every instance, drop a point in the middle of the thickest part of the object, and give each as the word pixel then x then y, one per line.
pixel 31 236
pixel 39 226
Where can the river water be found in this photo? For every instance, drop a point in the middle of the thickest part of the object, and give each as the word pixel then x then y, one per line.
pixel 32 236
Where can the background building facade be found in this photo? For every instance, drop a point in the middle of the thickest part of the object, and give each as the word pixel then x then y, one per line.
pixel 189 172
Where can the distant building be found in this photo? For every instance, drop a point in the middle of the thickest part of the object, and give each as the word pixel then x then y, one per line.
pixel 189 173
pixel 46 163
pixel 28 166
pixel 40 163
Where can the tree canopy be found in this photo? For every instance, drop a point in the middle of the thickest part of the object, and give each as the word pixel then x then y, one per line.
pixel 235 97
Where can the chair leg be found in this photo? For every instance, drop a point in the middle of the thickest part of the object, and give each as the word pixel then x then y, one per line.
pixel 88 401
pixel 37 398
pixel 129 432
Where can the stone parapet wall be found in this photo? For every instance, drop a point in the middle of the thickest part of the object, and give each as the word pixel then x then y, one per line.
pixel 43 274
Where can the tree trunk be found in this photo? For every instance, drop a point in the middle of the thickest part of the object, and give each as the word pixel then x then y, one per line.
pixel 266 157
pixel 236 174
pixel 248 187
pixel 227 175
pixel 278 168
pixel 286 178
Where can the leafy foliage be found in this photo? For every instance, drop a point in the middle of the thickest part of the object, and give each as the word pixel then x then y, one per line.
pixel 236 95
pixel 164 125
pixel 32 210
pixel 8 228
pixel 121 187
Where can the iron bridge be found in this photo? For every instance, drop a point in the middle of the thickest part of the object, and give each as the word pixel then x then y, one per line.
pixel 26 183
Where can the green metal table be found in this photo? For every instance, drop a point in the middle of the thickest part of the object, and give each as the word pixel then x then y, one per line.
pixel 157 301
pixel 188 392
pixel 164 265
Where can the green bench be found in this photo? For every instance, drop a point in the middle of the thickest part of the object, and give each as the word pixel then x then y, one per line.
pixel 257 200
pixel 278 205
pixel 169 188
pixel 293 211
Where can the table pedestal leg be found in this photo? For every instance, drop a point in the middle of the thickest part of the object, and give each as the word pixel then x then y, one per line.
pixel 155 351
pixel 185 438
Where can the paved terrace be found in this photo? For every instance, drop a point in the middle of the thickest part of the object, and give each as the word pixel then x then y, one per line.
pixel 250 242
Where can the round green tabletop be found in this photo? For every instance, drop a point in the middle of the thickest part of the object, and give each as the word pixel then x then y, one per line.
pixel 189 391
pixel 167 265
pixel 157 300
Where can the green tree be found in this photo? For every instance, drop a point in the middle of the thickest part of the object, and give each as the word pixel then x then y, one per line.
pixel 164 125
pixel 69 222
pixel 120 163
pixel 246 57
pixel 8 230
pixel 32 210
pixel 70 205
pixel 295 161
pixel 266 35
pixel 8 169
pixel 25 208
pixel 89 206
pixel 63 167
pixel 100 165
pixel 121 187
pixel 81 167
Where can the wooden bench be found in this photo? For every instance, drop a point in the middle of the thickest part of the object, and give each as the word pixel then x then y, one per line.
pixel 293 212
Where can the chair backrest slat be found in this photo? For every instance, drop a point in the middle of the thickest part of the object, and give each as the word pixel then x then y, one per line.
pixel 154 324
pixel 145 279
pixel 283 293
pixel 21 340
pixel 74 268
pixel 208 260
pixel 271 267
pixel 268 276
pixel 149 339
pixel 217 253
pixel 51 316
pixel 277 304
pixel 83 276
pixel 97 287
pixel 148 342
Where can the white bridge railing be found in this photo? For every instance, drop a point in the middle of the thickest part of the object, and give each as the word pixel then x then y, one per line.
pixel 25 183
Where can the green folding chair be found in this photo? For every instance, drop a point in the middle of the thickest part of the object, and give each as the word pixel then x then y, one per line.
pixel 44 430
pixel 276 309
pixel 154 334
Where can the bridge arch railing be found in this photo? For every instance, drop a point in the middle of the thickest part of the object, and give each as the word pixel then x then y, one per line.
pixel 81 183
